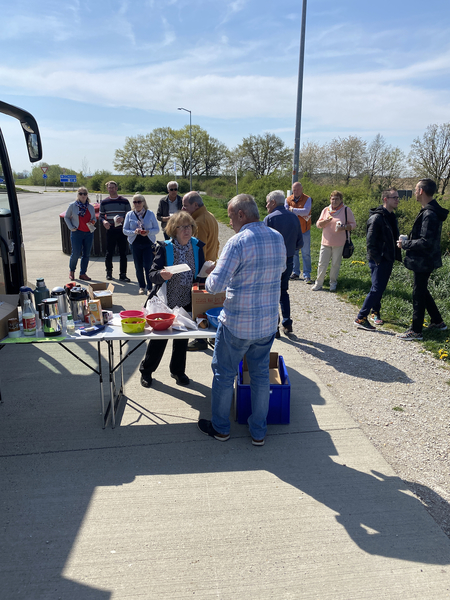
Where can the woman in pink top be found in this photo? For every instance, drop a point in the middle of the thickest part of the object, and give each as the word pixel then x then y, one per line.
pixel 334 224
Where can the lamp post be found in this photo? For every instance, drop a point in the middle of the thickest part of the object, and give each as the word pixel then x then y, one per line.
pixel 190 145
pixel 299 97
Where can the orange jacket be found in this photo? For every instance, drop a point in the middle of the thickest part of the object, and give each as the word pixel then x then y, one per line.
pixel 305 221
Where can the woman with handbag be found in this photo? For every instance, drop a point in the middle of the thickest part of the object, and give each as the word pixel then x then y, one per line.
pixel 141 227
pixel 335 221
pixel 181 248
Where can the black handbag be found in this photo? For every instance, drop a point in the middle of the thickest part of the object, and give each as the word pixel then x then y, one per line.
pixel 348 248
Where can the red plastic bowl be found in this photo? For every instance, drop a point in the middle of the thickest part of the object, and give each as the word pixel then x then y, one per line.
pixel 132 314
pixel 160 321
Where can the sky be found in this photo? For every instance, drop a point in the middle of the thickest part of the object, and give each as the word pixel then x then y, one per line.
pixel 93 73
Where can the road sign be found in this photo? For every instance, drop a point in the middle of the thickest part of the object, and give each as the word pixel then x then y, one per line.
pixel 44 169
pixel 68 178
pixel 45 176
pixel 2 180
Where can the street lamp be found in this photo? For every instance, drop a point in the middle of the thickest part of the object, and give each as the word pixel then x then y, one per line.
pixel 299 97
pixel 190 144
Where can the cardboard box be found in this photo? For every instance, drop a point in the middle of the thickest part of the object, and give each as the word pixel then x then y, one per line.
pixel 95 312
pixel 8 310
pixel 202 301
pixel 280 392
pixel 102 292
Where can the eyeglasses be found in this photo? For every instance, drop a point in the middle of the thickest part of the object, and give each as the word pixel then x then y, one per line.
pixel 173 189
pixel 395 197
pixel 184 227
pixel 137 201
pixel 82 193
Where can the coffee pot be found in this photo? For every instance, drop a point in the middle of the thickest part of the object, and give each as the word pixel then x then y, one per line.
pixel 78 298
pixel 63 302
pixel 50 317
pixel 25 293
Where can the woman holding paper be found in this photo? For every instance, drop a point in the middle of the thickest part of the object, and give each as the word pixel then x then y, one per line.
pixel 80 219
pixel 181 249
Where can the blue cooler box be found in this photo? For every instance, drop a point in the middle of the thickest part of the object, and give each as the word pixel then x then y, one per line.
pixel 280 395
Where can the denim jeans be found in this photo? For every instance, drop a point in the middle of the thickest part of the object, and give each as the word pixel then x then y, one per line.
pixel 143 259
pixel 306 256
pixel 380 278
pixel 81 246
pixel 285 303
pixel 228 352
pixel 423 300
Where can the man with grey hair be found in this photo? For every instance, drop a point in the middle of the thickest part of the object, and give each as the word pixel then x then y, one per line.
pixel 208 233
pixel 288 225
pixel 249 269
pixel 207 226
pixel 169 205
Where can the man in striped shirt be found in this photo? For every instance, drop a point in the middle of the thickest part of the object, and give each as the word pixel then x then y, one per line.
pixel 249 269
pixel 112 214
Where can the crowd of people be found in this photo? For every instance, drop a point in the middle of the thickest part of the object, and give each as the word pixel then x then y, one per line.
pixel 254 269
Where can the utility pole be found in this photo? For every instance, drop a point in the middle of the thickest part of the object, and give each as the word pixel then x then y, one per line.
pixel 298 121
pixel 190 145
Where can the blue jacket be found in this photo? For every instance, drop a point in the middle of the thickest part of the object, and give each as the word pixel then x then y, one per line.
pixel 131 223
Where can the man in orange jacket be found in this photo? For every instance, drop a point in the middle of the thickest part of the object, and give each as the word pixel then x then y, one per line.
pixel 300 204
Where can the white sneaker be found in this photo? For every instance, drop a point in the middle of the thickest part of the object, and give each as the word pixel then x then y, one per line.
pixel 316 287
pixel 141 291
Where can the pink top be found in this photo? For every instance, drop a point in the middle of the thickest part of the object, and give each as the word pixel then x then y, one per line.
pixel 331 237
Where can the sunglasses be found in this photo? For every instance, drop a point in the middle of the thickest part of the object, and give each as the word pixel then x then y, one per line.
pixel 137 202
pixel 82 193
pixel 173 189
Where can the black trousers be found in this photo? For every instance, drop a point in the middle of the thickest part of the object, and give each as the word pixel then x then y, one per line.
pixel 154 354
pixel 423 301
pixel 116 237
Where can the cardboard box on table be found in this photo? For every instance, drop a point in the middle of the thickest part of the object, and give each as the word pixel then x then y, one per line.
pixel 97 292
pixel 280 392
pixel 202 301
pixel 8 310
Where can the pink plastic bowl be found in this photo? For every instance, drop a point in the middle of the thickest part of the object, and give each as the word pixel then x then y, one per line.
pixel 132 314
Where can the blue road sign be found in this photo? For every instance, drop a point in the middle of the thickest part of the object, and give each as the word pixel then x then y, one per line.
pixel 68 178
pixel 2 180
pixel 44 176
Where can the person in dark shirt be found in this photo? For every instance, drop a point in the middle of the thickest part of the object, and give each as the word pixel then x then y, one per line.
pixel 112 214
pixel 288 225
pixel 168 206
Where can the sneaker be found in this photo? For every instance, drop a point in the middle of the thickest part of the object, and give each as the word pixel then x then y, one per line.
pixel 109 276
pixel 287 329
pixel 333 287
pixel 364 324
pixel 258 442
pixel 294 276
pixel 410 335
pixel 307 280
pixel 377 319
pixel 207 428
pixel 316 287
pixel 84 277
pixel 146 380
pixel 195 345
pixel 141 291
pixel 440 326
pixel 123 277
pixel 182 379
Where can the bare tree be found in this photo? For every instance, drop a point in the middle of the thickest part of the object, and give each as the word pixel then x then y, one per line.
pixel 312 159
pixel 430 155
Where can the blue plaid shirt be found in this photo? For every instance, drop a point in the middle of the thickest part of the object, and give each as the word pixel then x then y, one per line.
pixel 249 269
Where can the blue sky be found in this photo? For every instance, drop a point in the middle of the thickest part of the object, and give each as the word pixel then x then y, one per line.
pixel 93 73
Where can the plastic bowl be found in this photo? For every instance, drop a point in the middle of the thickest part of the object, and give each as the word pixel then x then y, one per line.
pixel 160 321
pixel 133 325
pixel 212 315
pixel 132 314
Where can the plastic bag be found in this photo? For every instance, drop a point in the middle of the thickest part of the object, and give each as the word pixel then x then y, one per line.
pixel 155 305
pixel 183 321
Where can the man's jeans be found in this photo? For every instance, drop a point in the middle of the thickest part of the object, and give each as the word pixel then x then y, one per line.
pixel 380 278
pixel 306 256
pixel 81 246
pixel 423 300
pixel 285 303
pixel 228 352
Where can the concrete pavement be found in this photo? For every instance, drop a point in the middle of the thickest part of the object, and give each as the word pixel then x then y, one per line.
pixel 156 510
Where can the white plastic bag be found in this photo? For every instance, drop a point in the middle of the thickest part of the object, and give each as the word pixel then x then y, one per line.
pixel 155 305
pixel 183 321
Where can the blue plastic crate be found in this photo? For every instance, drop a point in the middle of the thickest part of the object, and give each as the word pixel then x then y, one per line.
pixel 280 398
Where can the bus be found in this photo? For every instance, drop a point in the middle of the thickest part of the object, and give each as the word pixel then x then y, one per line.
pixel 13 273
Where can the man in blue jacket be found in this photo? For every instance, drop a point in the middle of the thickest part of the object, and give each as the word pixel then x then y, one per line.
pixel 288 225
pixel 423 256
